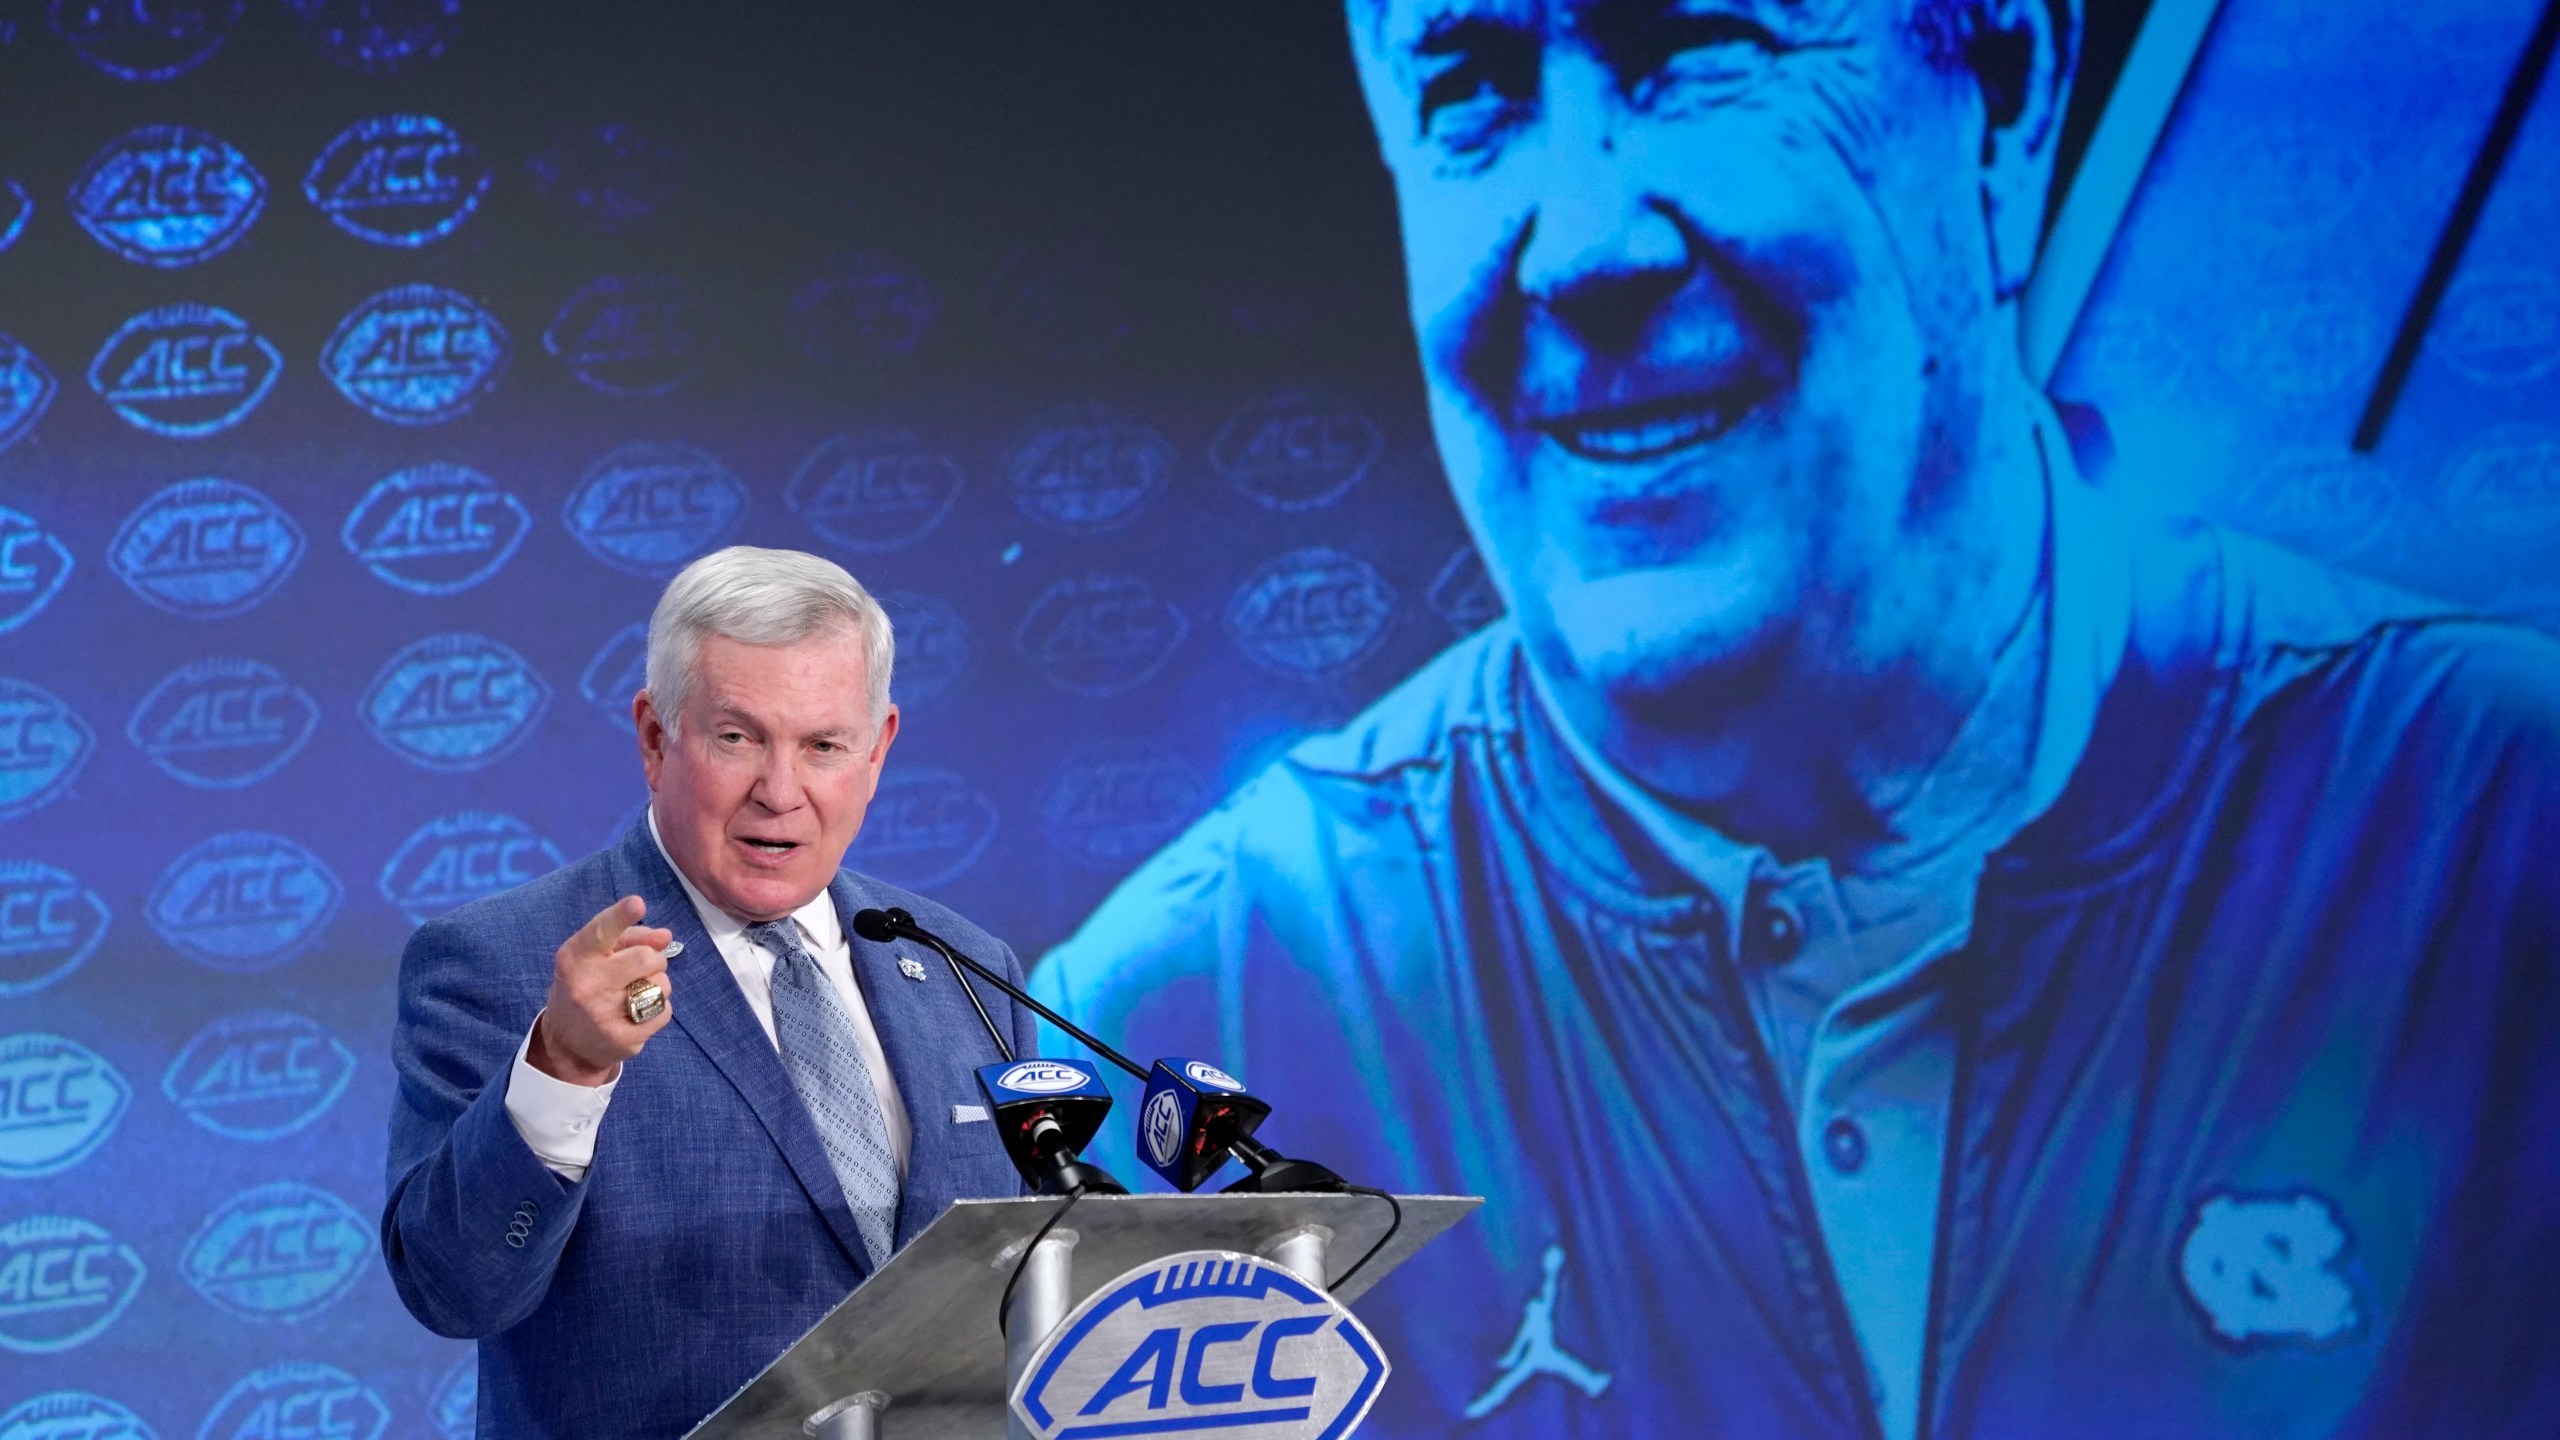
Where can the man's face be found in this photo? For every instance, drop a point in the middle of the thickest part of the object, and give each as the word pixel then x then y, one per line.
pixel 764 783
pixel 1703 296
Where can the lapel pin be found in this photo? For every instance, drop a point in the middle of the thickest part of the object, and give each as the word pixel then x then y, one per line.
pixel 910 967
pixel 674 949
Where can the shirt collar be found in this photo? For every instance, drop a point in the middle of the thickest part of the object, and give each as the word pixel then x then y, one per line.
pixel 819 922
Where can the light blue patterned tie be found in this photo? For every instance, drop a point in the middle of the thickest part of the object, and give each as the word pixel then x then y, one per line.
pixel 826 1065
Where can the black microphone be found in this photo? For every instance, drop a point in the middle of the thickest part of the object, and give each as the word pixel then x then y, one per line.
pixel 1046 1111
pixel 1209 1131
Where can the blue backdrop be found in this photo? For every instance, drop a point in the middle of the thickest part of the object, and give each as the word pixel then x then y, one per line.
pixel 365 368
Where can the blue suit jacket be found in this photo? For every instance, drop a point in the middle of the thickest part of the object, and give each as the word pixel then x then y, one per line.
pixel 710 1233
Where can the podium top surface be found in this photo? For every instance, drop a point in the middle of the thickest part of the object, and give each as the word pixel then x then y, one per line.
pixel 924 1327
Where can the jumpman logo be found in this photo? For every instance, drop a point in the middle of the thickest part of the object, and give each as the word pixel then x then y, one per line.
pixel 1534 1352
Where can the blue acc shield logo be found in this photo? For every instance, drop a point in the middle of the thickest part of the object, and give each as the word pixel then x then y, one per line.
pixel 244 902
pixel 398 180
pixel 222 724
pixel 621 668
pixel 1088 469
pixel 72 1415
pixel 299 1400
pixel 416 355
pixel 33 565
pixel 48 925
pixel 925 828
pixel 259 1074
pixel 58 1101
pixel 874 493
pixel 278 1252
pixel 632 337
pixel 146 39
pixel 454 702
pixel 62 1280
pixel 1100 635
pixel 167 195
pixel 185 371
pixel 42 746
pixel 648 508
pixel 1312 612
pixel 26 388
pixel 1200 1342
pixel 462 857
pixel 206 549
pixel 435 529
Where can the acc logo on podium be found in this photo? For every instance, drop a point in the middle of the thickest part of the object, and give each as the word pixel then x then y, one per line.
pixel 206 549
pixel 647 508
pixel 278 1252
pixel 435 529
pixel 72 1415
pixel 48 925
pixel 185 371
pixel 167 195
pixel 415 355
pixel 221 724
pixel 297 1399
pixel 398 180
pixel 243 902
pixel 461 857
pixel 62 1280
pixel 454 702
pixel 1203 1341
pixel 58 1101
pixel 259 1074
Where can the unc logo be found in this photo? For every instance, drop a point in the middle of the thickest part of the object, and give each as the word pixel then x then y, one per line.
pixel 42 746
pixel 925 828
pixel 620 670
pixel 26 388
pixel 2265 1268
pixel 1205 1340
pixel 15 210
pixel 146 39
pixel 612 175
pixel 278 1252
pixel 167 195
pixel 206 549
pixel 1100 635
pixel 259 1075
pixel 48 926
pixel 648 508
pixel 1295 450
pixel 222 724
pixel 33 565
pixel 1312 612
pixel 58 1101
pixel 1088 469
pixel 2502 328
pixel 936 649
pixel 72 1415
pixel 298 1400
pixel 435 529
pixel 1204 1073
pixel 398 180
pixel 2504 488
pixel 62 1280
pixel 454 702
pixel 1160 1125
pixel 632 338
pixel 862 307
pixel 874 493
pixel 1044 1077
pixel 415 355
pixel 461 857
pixel 184 371
pixel 1113 810
pixel 243 902
pixel 1463 594
pixel 378 37
pixel 454 1409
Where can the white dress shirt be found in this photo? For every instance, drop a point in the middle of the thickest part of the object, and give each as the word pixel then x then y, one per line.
pixel 558 1120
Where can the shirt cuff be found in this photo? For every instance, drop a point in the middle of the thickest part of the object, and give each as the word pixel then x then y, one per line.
pixel 558 1120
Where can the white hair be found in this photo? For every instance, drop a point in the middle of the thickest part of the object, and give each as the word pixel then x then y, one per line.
pixel 762 597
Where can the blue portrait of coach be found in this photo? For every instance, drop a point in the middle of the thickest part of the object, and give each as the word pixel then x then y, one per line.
pixel 1908 940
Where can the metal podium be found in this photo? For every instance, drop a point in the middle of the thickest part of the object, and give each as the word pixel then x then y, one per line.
pixel 915 1353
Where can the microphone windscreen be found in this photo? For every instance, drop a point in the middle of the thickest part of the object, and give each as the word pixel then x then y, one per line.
pixel 874 925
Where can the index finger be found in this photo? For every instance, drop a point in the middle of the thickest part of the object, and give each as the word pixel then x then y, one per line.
pixel 602 934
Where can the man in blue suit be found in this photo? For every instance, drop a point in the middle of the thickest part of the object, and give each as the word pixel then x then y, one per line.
pixel 637 1161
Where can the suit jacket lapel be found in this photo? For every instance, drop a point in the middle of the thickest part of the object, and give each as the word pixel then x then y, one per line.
pixel 714 1013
